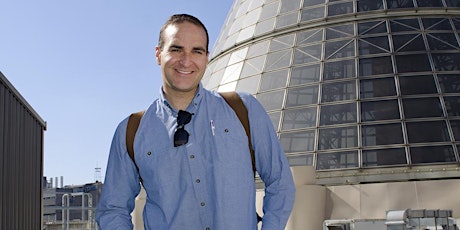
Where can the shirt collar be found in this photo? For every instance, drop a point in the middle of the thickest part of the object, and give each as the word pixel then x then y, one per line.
pixel 192 107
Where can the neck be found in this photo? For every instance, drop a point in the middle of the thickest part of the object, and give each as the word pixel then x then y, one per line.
pixel 180 100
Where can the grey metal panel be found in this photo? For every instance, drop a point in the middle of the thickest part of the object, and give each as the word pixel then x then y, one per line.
pixel 10 87
pixel 21 161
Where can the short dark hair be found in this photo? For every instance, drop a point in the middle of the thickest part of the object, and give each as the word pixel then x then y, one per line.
pixel 180 18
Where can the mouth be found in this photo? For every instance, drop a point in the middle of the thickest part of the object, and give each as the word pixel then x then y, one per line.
pixel 184 72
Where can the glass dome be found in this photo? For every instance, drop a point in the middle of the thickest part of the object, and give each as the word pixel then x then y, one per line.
pixel 348 84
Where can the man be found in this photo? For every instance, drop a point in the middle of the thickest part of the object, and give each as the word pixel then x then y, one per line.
pixel 192 151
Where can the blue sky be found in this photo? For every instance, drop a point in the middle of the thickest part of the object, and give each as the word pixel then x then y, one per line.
pixel 84 65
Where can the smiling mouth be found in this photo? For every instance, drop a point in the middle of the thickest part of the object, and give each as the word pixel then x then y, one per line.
pixel 184 72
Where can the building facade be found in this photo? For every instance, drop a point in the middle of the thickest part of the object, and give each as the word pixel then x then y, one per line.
pixel 21 161
pixel 364 95
pixel 71 206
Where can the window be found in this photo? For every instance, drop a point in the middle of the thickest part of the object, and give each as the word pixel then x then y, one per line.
pixel 278 60
pixel 287 19
pixel 306 74
pixel 429 3
pixel 300 160
pixel 453 106
pixel 307 37
pixel 449 83
pixel 274 80
pixel 298 141
pixel 384 134
pixel 252 66
pixel 432 154
pixel 312 2
pixel 299 118
pixel 379 110
pixel 383 157
pixel 339 69
pixel 302 96
pixel 404 25
pixel 408 42
pixel 248 85
pixel 307 54
pixel 313 13
pixel 373 45
pixel 373 27
pixel 428 131
pixel 442 41
pixel 271 100
pixel 422 107
pixel 281 43
pixel 337 160
pixel 375 66
pixel 380 87
pixel 339 91
pixel 456 129
pixel 341 31
pixel 338 114
pixel 446 61
pixel 340 8
pixel 339 49
pixel 269 11
pixel 396 4
pixel 405 63
pixel 369 5
pixel 412 85
pixel 337 138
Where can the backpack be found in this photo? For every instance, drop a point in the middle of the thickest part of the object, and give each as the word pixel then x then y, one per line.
pixel 232 99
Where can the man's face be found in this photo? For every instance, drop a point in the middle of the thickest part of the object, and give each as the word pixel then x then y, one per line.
pixel 183 57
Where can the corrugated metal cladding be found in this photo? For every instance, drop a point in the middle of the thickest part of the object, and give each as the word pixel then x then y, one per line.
pixel 21 161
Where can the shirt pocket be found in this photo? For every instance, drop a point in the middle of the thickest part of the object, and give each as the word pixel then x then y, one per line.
pixel 157 163
pixel 231 142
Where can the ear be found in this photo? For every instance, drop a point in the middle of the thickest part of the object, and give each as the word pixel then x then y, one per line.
pixel 158 55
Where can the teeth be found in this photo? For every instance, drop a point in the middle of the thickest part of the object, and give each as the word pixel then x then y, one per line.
pixel 184 72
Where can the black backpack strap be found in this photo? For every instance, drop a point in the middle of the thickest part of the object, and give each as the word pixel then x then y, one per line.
pixel 133 123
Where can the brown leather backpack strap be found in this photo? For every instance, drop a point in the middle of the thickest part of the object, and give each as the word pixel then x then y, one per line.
pixel 133 123
pixel 235 102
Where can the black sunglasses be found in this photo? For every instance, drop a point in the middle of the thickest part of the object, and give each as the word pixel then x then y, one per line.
pixel 181 135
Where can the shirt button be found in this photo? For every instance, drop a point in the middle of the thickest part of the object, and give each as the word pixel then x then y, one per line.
pixel 198 181
pixel 192 156
pixel 203 204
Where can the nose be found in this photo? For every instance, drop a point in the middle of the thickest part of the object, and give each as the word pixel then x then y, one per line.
pixel 185 59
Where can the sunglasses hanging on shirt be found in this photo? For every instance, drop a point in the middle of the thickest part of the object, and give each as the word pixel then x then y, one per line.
pixel 181 135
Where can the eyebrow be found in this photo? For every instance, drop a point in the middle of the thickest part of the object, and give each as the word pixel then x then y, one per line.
pixel 194 48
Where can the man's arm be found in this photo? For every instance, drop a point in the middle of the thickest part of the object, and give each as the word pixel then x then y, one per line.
pixel 121 186
pixel 272 166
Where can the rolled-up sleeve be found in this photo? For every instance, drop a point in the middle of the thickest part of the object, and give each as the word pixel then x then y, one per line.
pixel 272 166
pixel 121 186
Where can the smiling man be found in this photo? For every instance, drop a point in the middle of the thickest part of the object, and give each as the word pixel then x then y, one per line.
pixel 182 53
pixel 191 151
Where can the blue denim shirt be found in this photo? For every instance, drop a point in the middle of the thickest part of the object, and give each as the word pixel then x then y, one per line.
pixel 207 183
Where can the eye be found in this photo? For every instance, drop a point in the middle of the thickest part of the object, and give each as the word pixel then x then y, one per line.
pixel 199 51
pixel 175 49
